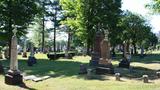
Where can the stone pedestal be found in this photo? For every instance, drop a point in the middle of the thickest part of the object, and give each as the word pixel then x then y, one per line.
pixel 125 62
pixel 31 60
pixel 13 78
pixel 105 66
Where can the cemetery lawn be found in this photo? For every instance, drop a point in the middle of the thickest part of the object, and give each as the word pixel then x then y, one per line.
pixel 64 75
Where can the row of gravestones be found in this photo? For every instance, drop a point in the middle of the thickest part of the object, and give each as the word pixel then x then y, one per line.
pixel 89 72
pixel 65 55
pixel 145 78
pixel 31 60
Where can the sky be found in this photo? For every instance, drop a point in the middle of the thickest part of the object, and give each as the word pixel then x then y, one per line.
pixel 138 6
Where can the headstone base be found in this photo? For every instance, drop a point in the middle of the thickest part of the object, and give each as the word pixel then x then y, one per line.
pixel 13 78
pixel 24 54
pixel 105 69
pixel 94 59
pixel 124 64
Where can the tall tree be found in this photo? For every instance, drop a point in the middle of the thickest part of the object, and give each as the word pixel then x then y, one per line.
pixel 54 15
pixel 88 16
pixel 154 6
pixel 17 13
pixel 38 33
pixel 133 26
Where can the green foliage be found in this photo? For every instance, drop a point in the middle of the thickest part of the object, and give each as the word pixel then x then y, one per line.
pixel 85 17
pixel 136 30
pixel 16 13
pixel 154 6
pixel 37 29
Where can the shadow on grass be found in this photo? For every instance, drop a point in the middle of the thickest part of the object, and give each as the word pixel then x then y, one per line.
pixel 137 73
pixel 23 85
pixel 69 68
pixel 149 58
pixel 48 67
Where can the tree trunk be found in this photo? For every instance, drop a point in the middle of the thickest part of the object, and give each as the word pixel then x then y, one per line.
pixel 10 37
pixel 43 35
pixel 135 48
pixel 10 28
pixel 88 47
pixel 55 21
pixel 113 52
pixel 142 51
pixel 123 51
pixel 9 44
pixel 68 43
pixel 127 47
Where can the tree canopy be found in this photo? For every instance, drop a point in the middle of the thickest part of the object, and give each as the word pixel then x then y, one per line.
pixel 16 13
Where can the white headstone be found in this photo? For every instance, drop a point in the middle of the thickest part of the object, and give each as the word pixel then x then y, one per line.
pixel 13 61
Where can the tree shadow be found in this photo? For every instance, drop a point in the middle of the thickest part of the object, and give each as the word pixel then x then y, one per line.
pixel 47 67
pixel 69 68
pixel 23 85
pixel 136 73
pixel 149 58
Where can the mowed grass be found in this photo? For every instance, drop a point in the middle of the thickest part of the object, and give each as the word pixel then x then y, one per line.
pixel 64 75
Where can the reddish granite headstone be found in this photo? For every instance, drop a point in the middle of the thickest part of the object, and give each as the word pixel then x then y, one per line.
pixel 105 53
pixel 97 50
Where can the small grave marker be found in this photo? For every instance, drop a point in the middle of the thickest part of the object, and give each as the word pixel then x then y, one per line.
pixel 158 74
pixel 145 78
pixel 83 69
pixel 117 75
pixel 89 73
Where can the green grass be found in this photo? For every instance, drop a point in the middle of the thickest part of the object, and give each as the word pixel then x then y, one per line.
pixel 65 76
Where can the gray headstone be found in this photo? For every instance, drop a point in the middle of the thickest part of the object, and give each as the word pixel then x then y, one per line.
pixel 145 78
